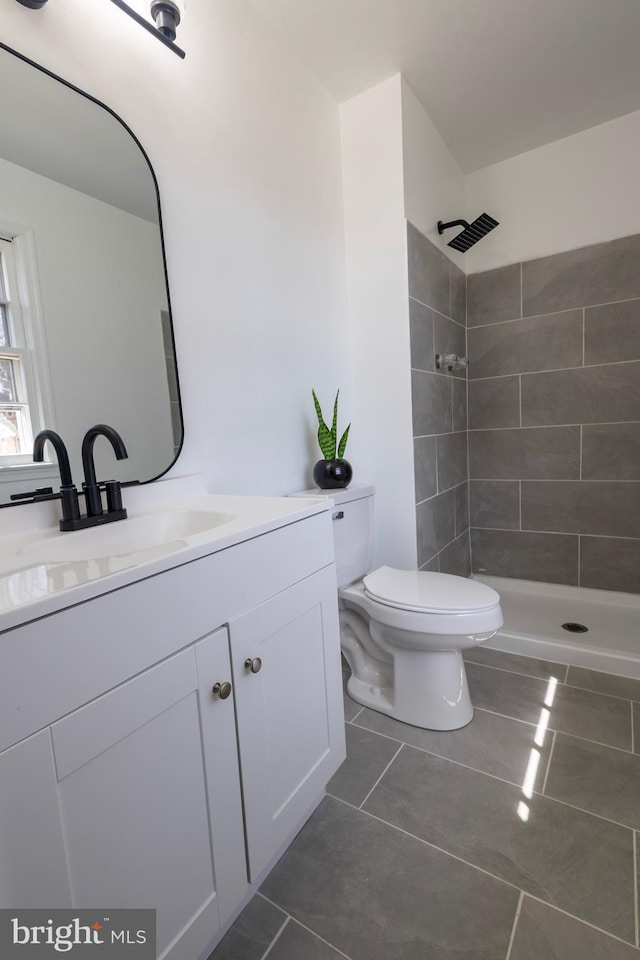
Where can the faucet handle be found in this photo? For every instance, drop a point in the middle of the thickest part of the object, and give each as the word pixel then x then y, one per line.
pixel 38 493
pixel 114 495
pixel 70 506
pixel 92 499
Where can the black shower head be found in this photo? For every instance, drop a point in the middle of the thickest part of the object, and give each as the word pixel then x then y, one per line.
pixel 472 231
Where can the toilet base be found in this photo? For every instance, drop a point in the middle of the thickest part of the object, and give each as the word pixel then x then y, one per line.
pixel 429 690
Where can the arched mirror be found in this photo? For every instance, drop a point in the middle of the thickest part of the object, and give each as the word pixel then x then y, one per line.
pixel 85 320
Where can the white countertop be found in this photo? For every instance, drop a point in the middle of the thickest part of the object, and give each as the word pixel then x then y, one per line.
pixel 30 589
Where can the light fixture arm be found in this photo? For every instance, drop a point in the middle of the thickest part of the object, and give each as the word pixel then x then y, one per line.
pixel 148 26
pixel 166 14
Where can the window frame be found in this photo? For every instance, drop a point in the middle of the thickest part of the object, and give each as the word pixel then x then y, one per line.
pixel 26 323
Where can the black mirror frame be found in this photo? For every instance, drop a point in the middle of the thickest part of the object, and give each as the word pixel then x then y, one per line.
pixel 103 106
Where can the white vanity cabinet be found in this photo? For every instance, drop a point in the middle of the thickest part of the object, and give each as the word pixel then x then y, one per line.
pixel 33 868
pixel 288 705
pixel 141 818
pixel 175 783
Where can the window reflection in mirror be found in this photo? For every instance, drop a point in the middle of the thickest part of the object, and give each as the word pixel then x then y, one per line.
pixel 85 329
pixel 18 413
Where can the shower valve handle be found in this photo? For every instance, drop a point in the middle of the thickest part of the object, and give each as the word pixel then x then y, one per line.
pixel 451 361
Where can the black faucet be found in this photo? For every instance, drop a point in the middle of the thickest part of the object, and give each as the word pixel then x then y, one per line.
pixel 71 517
pixel 68 493
pixel 91 487
pixel 57 443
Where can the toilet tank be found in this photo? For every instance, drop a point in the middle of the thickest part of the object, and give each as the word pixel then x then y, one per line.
pixel 352 529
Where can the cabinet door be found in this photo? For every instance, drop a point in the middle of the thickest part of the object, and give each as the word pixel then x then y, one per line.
pixel 220 750
pixel 134 798
pixel 33 867
pixel 289 712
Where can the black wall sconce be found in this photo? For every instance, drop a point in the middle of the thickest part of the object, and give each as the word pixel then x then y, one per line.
pixel 166 17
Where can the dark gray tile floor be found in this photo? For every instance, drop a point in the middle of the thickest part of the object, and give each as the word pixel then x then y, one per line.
pixel 514 838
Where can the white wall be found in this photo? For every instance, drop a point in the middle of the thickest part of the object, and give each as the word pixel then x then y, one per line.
pixel 571 193
pixel 102 290
pixel 433 181
pixel 396 167
pixel 377 288
pixel 245 146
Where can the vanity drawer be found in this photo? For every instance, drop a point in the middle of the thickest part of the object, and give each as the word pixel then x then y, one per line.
pixel 53 665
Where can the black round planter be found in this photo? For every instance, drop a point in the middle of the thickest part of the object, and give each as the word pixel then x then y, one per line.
pixel 332 474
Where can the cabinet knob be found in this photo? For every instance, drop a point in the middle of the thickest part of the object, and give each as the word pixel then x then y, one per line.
pixel 222 690
pixel 254 665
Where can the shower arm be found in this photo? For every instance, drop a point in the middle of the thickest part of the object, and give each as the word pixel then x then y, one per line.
pixel 451 223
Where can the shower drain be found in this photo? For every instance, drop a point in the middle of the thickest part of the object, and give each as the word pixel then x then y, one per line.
pixel 575 627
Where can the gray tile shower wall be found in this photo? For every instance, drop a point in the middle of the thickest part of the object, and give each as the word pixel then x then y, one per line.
pixel 437 311
pixel 554 417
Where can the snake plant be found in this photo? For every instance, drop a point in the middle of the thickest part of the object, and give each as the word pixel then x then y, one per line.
pixel 328 438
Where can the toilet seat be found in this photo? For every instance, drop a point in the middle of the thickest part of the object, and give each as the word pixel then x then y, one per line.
pixel 420 591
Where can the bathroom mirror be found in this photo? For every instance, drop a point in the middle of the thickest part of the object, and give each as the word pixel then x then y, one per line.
pixel 85 319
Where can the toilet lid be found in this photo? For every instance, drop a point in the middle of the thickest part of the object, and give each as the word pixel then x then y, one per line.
pixel 424 592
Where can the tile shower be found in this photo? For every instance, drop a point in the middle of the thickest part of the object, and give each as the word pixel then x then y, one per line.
pixel 553 415
pixel 437 310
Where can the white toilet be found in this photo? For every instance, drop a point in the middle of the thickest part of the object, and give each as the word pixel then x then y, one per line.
pixel 402 631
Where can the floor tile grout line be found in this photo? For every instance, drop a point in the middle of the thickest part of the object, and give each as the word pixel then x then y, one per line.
pixel 427 843
pixel 546 775
pixel 494 713
pixel 385 736
pixel 402 745
pixel 590 813
pixel 514 925
pixel 356 716
pixel 526 723
pixel 439 756
pixel 530 676
pixel 259 893
pixel 563 683
pixel 573 916
pixel 316 934
pixel 277 936
pixel 635 885
pixel 493 776
pixel 574 736
pixel 506 716
pixel 289 916
pixel 612 696
pixel 487 873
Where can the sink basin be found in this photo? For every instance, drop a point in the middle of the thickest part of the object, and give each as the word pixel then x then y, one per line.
pixel 125 537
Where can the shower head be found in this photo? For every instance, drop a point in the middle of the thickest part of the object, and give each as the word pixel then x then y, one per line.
pixel 472 231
